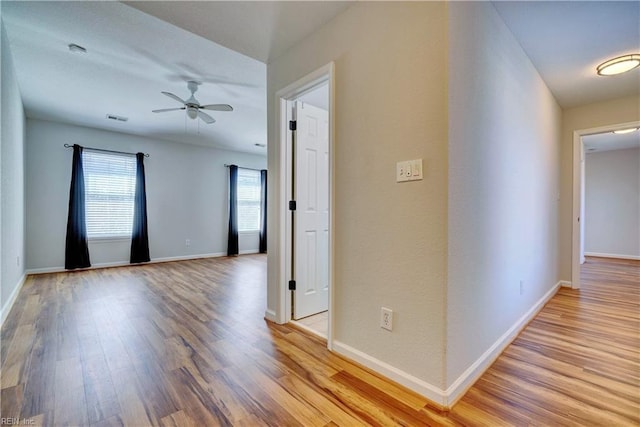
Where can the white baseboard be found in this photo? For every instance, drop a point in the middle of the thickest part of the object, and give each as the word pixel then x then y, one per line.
pixel 185 257
pixel 125 263
pixel 12 299
pixel 619 256
pixel 475 371
pixel 270 315
pixel 431 392
pixel 249 251
pixel 565 283
pixel 447 398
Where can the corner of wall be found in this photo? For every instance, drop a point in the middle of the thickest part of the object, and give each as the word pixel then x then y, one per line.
pixel 12 182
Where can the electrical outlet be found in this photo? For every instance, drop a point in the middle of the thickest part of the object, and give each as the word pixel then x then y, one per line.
pixel 386 318
pixel 187 242
pixel 521 287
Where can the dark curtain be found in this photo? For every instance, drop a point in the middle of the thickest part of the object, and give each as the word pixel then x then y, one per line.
pixel 232 244
pixel 139 234
pixel 76 254
pixel 263 212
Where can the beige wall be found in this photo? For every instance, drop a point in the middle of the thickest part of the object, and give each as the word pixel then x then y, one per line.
pixel 390 238
pixel 612 203
pixel 504 146
pixel 585 117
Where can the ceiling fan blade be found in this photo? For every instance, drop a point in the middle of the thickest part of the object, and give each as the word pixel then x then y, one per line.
pixel 172 96
pixel 206 118
pixel 217 107
pixel 166 109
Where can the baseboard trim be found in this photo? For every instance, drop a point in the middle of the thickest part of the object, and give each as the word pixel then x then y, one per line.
pixel 429 391
pixel 124 263
pixel 12 299
pixel 479 367
pixel 249 252
pixel 186 257
pixel 618 256
pixel 270 315
pixel 565 284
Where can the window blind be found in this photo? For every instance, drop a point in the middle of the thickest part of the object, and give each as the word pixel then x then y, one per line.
pixel 249 195
pixel 110 182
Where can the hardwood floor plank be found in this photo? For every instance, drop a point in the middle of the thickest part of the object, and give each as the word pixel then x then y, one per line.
pixel 185 343
pixel 130 399
pixel 100 395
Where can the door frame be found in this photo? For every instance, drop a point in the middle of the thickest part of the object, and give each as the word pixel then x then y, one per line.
pixel 578 193
pixel 284 100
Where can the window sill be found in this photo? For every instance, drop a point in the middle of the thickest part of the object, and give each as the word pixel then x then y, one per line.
pixel 108 239
pixel 249 232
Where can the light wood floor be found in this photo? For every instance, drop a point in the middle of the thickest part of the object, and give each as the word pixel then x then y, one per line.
pixel 184 343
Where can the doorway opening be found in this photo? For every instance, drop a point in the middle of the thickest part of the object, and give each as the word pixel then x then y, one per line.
pixel 306 140
pixel 605 215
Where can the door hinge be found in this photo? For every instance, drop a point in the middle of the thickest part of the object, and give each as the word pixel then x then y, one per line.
pixel 292 205
pixel 293 124
pixel 292 285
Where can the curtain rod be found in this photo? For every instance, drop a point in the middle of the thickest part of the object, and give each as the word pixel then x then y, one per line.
pixel 240 167
pixel 106 151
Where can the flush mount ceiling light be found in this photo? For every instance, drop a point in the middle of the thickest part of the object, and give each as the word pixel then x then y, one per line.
pixel 619 65
pixel 623 131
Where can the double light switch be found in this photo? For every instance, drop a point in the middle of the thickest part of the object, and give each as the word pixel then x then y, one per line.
pixel 409 170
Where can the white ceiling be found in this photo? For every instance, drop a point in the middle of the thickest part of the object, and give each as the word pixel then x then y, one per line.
pixel 262 30
pixel 567 40
pixel 133 56
pixel 609 141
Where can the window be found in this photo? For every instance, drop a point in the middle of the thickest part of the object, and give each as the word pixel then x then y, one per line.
pixel 110 183
pixel 249 190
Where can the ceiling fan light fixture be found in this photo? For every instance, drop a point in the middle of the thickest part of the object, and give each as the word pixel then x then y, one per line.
pixel 192 112
pixel 623 131
pixel 619 65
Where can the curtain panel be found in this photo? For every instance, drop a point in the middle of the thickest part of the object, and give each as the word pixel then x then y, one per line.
pixel 139 234
pixel 263 212
pixel 232 242
pixel 76 254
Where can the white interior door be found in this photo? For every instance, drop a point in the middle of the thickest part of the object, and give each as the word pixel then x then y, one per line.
pixel 312 211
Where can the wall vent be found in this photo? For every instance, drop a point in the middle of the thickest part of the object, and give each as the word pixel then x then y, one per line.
pixel 118 118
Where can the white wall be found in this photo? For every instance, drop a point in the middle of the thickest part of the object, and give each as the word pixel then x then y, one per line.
pixel 187 193
pixel 612 203
pixel 12 212
pixel 390 238
pixel 607 113
pixel 504 135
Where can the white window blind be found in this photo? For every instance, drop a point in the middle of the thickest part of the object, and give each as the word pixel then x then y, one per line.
pixel 249 196
pixel 110 183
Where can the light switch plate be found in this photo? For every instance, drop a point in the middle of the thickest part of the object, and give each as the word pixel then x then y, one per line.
pixel 416 169
pixel 409 170
pixel 400 171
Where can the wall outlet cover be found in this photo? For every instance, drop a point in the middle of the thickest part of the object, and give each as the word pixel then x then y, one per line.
pixel 386 318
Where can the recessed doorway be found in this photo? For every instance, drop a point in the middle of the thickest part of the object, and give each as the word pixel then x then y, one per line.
pixel 306 157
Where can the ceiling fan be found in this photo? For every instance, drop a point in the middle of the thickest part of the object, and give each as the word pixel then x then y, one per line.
pixel 193 107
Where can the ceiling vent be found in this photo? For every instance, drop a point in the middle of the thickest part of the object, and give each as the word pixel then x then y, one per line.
pixel 118 118
pixel 77 48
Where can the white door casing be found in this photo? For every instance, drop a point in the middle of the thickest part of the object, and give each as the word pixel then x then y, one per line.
pixel 312 211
